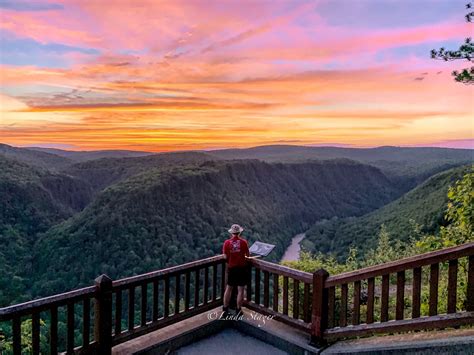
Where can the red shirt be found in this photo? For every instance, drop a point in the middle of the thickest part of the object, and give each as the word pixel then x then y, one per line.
pixel 236 249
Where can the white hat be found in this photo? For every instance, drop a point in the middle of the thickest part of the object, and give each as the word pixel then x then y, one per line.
pixel 235 229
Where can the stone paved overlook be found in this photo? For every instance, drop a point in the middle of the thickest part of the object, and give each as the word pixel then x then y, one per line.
pixel 307 313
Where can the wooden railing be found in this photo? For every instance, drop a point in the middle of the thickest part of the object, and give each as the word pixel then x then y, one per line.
pixel 328 315
pixel 165 297
pixel 316 303
pixel 281 292
pixel 407 315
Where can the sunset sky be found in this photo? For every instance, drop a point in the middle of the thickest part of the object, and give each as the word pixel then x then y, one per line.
pixel 178 75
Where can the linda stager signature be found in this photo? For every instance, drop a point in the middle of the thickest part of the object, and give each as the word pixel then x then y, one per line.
pixel 252 316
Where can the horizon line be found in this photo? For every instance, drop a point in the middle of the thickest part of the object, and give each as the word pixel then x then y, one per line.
pixel 64 147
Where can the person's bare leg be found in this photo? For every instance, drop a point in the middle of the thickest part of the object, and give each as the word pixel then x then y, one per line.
pixel 240 296
pixel 227 296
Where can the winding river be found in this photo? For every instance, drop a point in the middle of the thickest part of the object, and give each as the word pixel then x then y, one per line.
pixel 292 253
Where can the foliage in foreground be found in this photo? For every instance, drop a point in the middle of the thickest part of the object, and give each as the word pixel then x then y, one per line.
pixel 459 230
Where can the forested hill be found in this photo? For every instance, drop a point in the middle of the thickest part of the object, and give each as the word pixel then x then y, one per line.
pixel 424 205
pixel 32 200
pixel 169 216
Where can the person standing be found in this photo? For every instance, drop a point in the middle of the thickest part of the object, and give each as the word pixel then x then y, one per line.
pixel 236 251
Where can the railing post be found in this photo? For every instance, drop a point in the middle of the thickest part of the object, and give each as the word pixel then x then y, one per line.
pixel 103 315
pixel 319 314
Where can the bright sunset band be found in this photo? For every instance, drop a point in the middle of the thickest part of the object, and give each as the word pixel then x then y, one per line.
pixel 180 75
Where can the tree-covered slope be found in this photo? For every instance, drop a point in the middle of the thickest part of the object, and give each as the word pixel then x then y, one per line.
pixel 32 200
pixel 424 205
pixel 169 216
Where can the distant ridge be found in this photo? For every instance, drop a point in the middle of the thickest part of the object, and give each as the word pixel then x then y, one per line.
pixel 35 158
pixel 91 155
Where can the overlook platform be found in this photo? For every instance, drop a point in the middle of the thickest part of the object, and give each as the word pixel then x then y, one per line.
pixel 222 336
pixel 201 335
pixel 172 309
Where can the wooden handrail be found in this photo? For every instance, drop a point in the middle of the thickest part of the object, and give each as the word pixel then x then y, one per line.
pixel 411 262
pixel 136 280
pixel 45 303
pixel 283 270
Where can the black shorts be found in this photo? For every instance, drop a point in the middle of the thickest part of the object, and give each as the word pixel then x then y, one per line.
pixel 237 276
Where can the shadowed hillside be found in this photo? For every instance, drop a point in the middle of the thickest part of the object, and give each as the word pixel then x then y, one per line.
pixel 407 167
pixel 101 173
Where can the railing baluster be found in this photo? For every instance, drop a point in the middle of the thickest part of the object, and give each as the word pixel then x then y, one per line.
pixel 196 288
pixel 131 308
pixel 306 311
pixel 470 285
pixel 143 303
pixel 187 287
pixel 434 278
pixel 223 279
pixel 166 297
pixel 16 329
pixel 249 284
pixel 53 331
pixel 257 286
pixel 384 299
pixel 296 299
pixel 275 292
pixel 400 295
pixel 70 328
pixel 343 310
pixel 285 295
pixel 86 322
pixel 206 285
pixel 35 333
pixel 452 285
pixel 416 293
pixel 370 300
pixel 356 310
pixel 331 305
pixel 266 288
pixel 156 299
pixel 214 282
pixel 118 312
pixel 177 294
